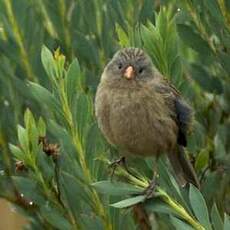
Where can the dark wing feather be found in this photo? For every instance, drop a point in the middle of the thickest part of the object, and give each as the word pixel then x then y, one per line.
pixel 184 117
pixel 181 111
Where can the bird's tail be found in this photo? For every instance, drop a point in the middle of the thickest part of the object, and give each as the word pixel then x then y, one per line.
pixel 183 168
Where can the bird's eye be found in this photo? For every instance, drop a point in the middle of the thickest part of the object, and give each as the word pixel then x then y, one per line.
pixel 141 70
pixel 120 65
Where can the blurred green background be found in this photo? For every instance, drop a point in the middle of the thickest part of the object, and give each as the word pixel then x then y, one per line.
pixel 189 42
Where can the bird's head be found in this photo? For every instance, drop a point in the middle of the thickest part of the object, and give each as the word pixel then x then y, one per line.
pixel 129 64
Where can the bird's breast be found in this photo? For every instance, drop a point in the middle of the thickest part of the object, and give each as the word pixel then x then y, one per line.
pixel 138 121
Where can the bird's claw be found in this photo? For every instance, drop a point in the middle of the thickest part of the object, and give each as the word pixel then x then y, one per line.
pixel 119 162
pixel 149 191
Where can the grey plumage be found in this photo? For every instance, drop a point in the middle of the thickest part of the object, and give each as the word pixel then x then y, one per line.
pixel 141 113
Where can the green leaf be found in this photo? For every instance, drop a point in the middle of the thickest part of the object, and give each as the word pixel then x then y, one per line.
pixel 147 11
pixel 199 206
pixel 209 83
pixel 211 185
pixel 158 206
pixel 85 48
pixel 73 80
pixel 44 97
pixel 23 139
pixel 17 152
pixel 216 218
pixel 176 72
pixel 220 140
pixel 28 118
pixel 116 188
pixel 153 43
pixel 55 218
pixel 45 165
pixel 214 10
pixel 225 61
pixel 202 159
pixel 95 143
pixel 193 40
pixel 31 129
pixel 48 62
pixel 168 182
pixel 93 222
pixel 129 202
pixel 82 113
pixel 179 224
pixel 161 42
pixel 197 138
pixel 41 127
pixel 75 192
pixel 122 36
pixel 226 222
pixel 6 187
pixel 28 189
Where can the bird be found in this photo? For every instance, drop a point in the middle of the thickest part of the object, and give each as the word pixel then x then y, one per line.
pixel 140 112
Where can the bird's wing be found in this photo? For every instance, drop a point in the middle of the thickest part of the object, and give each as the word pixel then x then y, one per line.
pixel 180 110
pixel 183 116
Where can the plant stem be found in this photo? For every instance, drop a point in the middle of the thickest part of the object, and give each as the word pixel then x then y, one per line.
pixel 98 207
pixel 179 210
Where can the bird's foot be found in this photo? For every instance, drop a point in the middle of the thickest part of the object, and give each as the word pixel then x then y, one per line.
pixel 149 191
pixel 119 162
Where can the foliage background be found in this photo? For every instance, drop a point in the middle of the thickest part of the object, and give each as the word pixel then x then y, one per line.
pixel 190 44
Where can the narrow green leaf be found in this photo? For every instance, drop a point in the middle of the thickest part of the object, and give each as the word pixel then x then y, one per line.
pixel 85 48
pixel 46 166
pixel 31 129
pixel 193 39
pixel 55 218
pixel 176 72
pixel 220 140
pixel 129 202
pixel 214 10
pixel 199 207
pixel 41 127
pixel 17 152
pixel 179 224
pixel 152 43
pixel 75 192
pixel 158 206
pixel 211 185
pixel 122 36
pixel 28 118
pixel 202 159
pixel 94 222
pixel 225 61
pixel 95 143
pixel 48 62
pixel 23 139
pixel 43 96
pixel 216 219
pixel 73 80
pixel 209 83
pixel 147 11
pixel 116 188
pixel 82 113
pixel 168 182
pixel 29 189
pixel 226 222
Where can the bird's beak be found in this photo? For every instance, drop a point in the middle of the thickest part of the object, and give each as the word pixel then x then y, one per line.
pixel 129 72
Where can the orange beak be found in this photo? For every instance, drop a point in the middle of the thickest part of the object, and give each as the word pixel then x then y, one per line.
pixel 129 73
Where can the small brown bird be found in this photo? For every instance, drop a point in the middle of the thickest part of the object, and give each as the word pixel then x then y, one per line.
pixel 141 113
